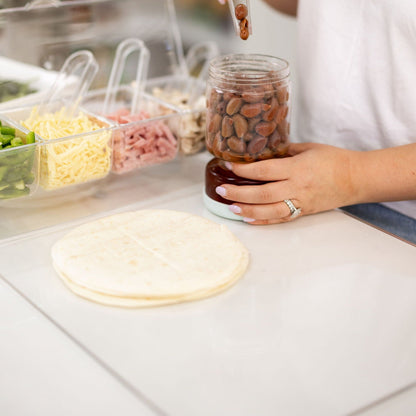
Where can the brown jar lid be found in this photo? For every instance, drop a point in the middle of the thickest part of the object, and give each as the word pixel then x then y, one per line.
pixel 216 174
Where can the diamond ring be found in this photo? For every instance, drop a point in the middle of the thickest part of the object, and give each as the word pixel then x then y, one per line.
pixel 294 212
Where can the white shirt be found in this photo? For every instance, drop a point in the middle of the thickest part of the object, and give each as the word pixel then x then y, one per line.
pixel 357 75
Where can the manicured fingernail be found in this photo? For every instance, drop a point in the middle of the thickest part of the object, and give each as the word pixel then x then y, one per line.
pixel 235 209
pixel 220 191
pixel 228 165
pixel 222 1
pixel 248 219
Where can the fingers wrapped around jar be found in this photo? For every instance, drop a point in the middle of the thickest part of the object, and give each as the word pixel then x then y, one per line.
pixel 257 197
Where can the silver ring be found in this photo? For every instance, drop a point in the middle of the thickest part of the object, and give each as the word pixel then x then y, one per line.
pixel 294 212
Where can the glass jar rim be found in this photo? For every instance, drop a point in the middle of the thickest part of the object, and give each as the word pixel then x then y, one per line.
pixel 249 68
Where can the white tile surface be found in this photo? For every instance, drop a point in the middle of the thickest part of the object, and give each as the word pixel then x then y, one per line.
pixel 43 373
pixel 403 404
pixel 323 322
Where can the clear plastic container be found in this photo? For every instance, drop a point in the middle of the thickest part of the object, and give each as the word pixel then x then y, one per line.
pixel 190 126
pixel 67 157
pixel 140 139
pixel 248 107
pixel 42 34
pixel 187 93
pixel 18 165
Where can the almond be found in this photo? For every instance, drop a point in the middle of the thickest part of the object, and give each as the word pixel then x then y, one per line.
pixel 265 107
pixel 265 128
pixel 257 144
pixel 251 110
pixel 228 96
pixel 236 145
pixel 283 128
pixel 253 95
pixel 221 108
pixel 274 140
pixel 240 11
pixel 282 113
pixel 227 129
pixel 234 105
pixel 240 125
pixel 282 95
pixel 214 98
pixel 214 123
pixel 252 123
pixel 271 113
pixel 219 145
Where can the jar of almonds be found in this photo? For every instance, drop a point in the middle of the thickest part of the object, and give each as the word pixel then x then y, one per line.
pixel 248 107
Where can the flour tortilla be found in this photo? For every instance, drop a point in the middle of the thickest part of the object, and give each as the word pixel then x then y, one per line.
pixel 131 302
pixel 150 255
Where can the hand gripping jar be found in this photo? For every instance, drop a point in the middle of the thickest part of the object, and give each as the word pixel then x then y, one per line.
pixel 248 107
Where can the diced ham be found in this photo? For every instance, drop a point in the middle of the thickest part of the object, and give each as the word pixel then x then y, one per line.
pixel 140 144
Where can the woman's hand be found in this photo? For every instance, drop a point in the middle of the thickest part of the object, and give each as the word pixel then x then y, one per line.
pixel 316 178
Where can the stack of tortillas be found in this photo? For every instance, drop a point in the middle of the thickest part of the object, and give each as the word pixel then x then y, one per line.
pixel 149 258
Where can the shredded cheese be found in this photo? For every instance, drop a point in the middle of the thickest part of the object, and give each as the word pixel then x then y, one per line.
pixel 72 160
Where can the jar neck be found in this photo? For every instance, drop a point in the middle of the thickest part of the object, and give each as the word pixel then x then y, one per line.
pixel 248 69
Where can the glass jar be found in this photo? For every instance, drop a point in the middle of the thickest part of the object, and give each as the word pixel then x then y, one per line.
pixel 248 107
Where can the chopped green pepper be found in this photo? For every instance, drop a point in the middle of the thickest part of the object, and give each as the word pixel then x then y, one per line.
pixel 7 130
pixel 5 139
pixel 13 193
pixel 30 137
pixel 17 141
pixel 15 165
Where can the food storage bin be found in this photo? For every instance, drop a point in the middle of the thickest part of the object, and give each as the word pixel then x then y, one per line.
pixel 187 92
pixel 74 148
pixel 42 34
pixel 189 127
pixel 140 139
pixel 248 107
pixel 18 161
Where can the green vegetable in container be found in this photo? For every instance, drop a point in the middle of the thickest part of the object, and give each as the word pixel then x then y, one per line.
pixel 10 90
pixel 16 163
pixel 5 139
pixel 30 137
pixel 8 130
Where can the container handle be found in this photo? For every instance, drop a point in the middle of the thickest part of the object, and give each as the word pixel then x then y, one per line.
pixel 199 56
pixel 82 63
pixel 124 49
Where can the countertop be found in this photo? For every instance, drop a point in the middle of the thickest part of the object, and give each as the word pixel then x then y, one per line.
pixel 323 322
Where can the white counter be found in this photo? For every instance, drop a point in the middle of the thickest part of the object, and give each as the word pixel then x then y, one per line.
pixel 323 323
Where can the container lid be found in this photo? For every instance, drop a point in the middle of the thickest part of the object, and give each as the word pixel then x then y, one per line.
pixel 217 174
pixel 49 31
